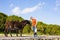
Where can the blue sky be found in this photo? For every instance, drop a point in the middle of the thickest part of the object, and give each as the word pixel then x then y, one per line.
pixel 47 11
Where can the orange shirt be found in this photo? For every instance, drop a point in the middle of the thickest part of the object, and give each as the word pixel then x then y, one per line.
pixel 33 22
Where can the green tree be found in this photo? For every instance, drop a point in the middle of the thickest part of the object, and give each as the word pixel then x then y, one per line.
pixel 27 29
pixel 48 29
pixel 14 18
pixel 41 27
pixel 2 21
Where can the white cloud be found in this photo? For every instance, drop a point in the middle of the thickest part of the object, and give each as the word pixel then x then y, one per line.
pixel 11 5
pixel 17 10
pixel 57 2
pixel 55 9
pixel 27 10
pixel 57 5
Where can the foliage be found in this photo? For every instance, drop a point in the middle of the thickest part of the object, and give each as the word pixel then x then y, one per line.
pixel 2 21
pixel 48 29
pixel 27 29
pixel 14 18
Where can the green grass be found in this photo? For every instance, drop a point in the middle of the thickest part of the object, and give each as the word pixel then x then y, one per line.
pixel 24 34
pixel 14 34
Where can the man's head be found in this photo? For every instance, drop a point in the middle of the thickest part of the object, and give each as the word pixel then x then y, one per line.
pixel 31 17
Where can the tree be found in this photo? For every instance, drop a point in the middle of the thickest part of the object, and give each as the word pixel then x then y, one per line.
pixel 41 27
pixel 2 21
pixel 27 29
pixel 46 29
pixel 14 18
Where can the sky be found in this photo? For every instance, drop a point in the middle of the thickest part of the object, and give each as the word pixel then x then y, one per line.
pixel 47 11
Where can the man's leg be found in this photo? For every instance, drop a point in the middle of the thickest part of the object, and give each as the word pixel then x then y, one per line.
pixel 35 32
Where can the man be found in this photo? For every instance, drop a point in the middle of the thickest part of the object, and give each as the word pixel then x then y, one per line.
pixel 33 20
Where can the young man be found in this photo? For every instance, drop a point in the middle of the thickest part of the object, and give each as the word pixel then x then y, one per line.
pixel 33 20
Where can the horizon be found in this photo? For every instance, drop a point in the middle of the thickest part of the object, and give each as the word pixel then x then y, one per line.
pixel 47 11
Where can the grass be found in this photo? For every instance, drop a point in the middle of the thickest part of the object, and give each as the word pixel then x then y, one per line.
pixel 24 34
pixel 1 34
pixel 14 35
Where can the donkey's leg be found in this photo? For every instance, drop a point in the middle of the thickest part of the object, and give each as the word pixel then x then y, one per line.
pixel 21 33
pixel 5 33
pixel 17 33
pixel 11 33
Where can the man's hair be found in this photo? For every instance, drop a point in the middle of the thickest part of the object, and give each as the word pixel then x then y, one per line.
pixel 31 17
